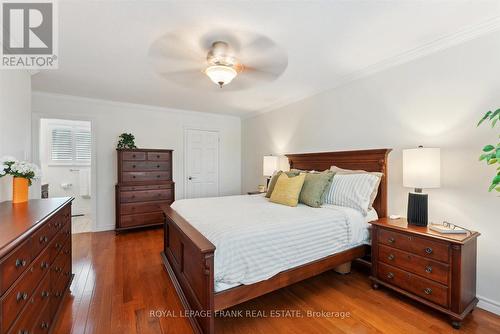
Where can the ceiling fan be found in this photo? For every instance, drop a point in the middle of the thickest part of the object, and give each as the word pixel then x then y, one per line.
pixel 241 58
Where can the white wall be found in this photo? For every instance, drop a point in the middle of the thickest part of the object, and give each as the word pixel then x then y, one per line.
pixel 15 123
pixel 153 127
pixel 434 101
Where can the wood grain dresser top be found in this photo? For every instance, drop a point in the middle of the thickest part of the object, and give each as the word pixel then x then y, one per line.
pixel 18 220
pixel 403 226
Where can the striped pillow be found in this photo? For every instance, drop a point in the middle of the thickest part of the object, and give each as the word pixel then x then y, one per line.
pixel 352 190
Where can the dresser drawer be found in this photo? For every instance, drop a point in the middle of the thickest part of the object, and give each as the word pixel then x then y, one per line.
pixel 422 287
pixel 132 208
pixel 44 322
pixel 15 264
pixel 413 244
pixel 148 187
pixel 421 266
pixel 41 238
pixel 27 319
pixel 41 265
pixel 154 156
pixel 145 195
pixel 134 155
pixel 130 166
pixel 20 294
pixel 142 219
pixel 145 176
pixel 55 246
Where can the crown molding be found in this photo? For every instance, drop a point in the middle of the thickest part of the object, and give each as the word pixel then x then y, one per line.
pixel 444 42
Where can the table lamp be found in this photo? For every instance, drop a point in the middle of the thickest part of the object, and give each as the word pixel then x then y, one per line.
pixel 421 169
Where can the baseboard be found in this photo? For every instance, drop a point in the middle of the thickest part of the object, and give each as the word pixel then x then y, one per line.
pixel 489 305
pixel 104 228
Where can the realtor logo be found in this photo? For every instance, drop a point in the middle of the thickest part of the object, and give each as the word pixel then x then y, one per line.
pixel 28 34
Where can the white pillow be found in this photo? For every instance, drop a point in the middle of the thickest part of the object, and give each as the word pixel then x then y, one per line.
pixel 352 191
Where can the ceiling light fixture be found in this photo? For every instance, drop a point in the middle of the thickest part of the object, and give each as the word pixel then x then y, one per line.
pixel 221 64
pixel 221 74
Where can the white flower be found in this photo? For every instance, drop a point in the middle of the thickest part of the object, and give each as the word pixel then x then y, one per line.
pixel 3 169
pixel 7 158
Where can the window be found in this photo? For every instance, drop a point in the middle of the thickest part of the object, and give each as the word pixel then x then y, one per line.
pixel 70 145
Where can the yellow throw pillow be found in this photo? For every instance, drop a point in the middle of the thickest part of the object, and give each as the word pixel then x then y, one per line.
pixel 287 189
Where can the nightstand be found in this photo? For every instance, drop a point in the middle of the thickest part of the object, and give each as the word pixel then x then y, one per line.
pixel 255 192
pixel 438 270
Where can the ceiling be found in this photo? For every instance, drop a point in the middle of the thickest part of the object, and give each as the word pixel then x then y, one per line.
pixel 104 46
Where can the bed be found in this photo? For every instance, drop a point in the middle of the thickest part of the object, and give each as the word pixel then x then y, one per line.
pixel 218 257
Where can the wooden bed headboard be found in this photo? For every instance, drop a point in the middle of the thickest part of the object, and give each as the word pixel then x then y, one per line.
pixel 369 160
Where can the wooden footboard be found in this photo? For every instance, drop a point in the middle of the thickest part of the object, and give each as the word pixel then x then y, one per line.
pixel 189 259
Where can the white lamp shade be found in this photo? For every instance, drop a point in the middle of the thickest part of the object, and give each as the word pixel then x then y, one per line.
pixel 270 165
pixel 221 75
pixel 422 168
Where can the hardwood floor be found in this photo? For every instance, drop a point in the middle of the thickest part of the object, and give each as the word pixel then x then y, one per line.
pixel 119 280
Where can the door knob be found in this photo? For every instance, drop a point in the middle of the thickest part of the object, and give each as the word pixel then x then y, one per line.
pixel 190 178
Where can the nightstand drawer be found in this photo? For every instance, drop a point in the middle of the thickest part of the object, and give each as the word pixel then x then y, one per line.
pixel 421 266
pixel 422 287
pixel 416 245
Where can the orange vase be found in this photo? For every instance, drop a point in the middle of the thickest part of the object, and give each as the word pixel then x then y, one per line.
pixel 20 190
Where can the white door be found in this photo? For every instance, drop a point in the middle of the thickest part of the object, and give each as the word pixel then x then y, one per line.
pixel 202 163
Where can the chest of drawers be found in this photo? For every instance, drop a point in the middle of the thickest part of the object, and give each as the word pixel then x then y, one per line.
pixel 144 184
pixel 35 263
pixel 434 269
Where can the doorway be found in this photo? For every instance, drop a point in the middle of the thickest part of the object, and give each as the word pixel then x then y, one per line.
pixel 201 169
pixel 65 154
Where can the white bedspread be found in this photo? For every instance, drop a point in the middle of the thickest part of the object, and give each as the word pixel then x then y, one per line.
pixel 256 239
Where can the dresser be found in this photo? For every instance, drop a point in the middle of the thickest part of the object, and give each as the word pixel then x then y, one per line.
pixel 35 263
pixel 144 184
pixel 435 269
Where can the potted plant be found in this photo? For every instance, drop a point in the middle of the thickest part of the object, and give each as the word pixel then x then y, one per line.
pixel 127 140
pixel 23 173
pixel 491 153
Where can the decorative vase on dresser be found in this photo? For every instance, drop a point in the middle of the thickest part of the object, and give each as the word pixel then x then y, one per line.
pixel 144 184
pixel 438 270
pixel 35 263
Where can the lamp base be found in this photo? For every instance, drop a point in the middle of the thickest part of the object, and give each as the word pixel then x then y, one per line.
pixel 417 209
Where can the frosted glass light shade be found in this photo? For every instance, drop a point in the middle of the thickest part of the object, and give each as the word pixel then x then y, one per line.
pixel 270 165
pixel 221 75
pixel 422 168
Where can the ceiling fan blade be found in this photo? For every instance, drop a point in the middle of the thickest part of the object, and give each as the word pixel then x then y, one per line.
pixel 257 44
pixel 176 47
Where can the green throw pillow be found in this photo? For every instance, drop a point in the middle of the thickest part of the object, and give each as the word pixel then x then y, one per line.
pixel 315 187
pixel 272 183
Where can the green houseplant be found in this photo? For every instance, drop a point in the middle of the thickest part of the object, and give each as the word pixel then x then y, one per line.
pixel 491 153
pixel 127 140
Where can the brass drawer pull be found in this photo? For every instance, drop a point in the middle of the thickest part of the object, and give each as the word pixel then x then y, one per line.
pixel 45 294
pixel 24 331
pixel 428 250
pixel 43 239
pixel 428 269
pixel 44 325
pixel 20 263
pixel 391 240
pixel 21 296
pixel 390 275
pixel 390 257
pixel 44 265
pixel 428 291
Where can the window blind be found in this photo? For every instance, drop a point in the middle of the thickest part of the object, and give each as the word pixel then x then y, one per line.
pixel 83 145
pixel 62 144
pixel 71 145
